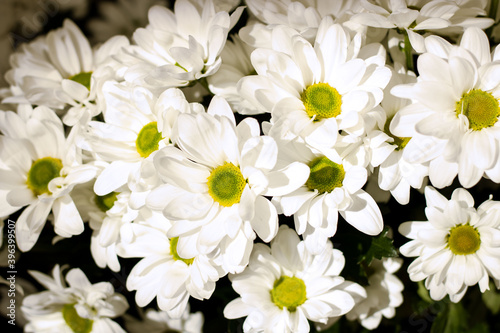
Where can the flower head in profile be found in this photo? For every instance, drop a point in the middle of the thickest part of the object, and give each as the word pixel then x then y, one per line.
pixel 178 46
pixel 77 307
pixel 216 178
pixel 285 285
pixel 384 294
pixel 457 247
pixel 40 167
pixel 453 121
pixel 61 71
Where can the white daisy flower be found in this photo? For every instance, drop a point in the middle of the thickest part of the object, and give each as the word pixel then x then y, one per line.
pixel 415 17
pixel 457 247
pixel 79 307
pixel 456 110
pixel 313 92
pixel 162 272
pixel 61 70
pixel 136 124
pixel 40 167
pixel 105 214
pixel 216 183
pixel 161 322
pixel 395 174
pixel 384 294
pixel 332 187
pixel 180 46
pixel 285 285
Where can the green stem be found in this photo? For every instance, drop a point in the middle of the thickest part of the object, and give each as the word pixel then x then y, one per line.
pixel 204 83
pixel 408 53
pixel 492 14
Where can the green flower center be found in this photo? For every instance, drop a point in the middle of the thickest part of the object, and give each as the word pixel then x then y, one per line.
pixel 325 175
pixel 321 100
pixel 480 107
pixel 399 142
pixel 148 139
pixel 173 251
pixel 464 239
pixel 83 78
pixel 42 171
pixel 105 202
pixel 226 184
pixel 288 292
pixel 74 321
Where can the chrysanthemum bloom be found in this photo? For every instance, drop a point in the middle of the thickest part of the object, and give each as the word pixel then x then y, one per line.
pixel 160 322
pixel 415 17
pixel 162 272
pixel 61 70
pixel 79 307
pixel 285 285
pixel 105 214
pixel 457 247
pixel 315 91
pixel 136 124
pixel 455 112
pixel 384 294
pixel 40 167
pixel 333 186
pixel 178 47
pixel 216 182
pixel 395 174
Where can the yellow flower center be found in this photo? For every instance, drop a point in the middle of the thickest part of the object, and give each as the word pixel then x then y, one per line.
pixel 398 141
pixel 83 78
pixel 321 100
pixel 464 239
pixel 74 321
pixel 105 202
pixel 288 292
pixel 226 184
pixel 480 107
pixel 173 251
pixel 325 175
pixel 42 171
pixel 148 139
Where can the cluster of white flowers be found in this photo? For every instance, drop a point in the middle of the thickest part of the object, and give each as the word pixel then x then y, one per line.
pixel 116 135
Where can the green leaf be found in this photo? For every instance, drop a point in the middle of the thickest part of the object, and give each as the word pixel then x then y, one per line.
pixel 451 320
pixel 480 328
pixel 491 299
pixel 380 247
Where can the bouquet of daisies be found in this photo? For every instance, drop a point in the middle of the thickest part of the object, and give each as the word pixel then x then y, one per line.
pixel 264 166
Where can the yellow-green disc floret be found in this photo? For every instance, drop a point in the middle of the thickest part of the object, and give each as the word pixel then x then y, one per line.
pixel 480 107
pixel 74 321
pixel 105 202
pixel 148 139
pixel 325 175
pixel 464 239
pixel 321 100
pixel 83 78
pixel 288 292
pixel 226 184
pixel 42 171
pixel 398 141
pixel 173 251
